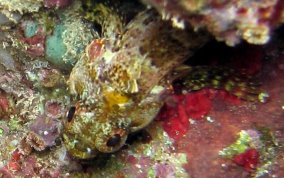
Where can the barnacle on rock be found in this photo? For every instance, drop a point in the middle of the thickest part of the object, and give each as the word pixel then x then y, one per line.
pixel 35 141
pixel 54 109
pixel 25 147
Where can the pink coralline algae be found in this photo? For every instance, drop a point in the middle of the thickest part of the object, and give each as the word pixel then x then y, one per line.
pixel 29 167
pixel 36 44
pixel 143 163
pixel 5 173
pixel 22 166
pixel 57 3
pixel 228 21
pixel 164 170
pixel 13 165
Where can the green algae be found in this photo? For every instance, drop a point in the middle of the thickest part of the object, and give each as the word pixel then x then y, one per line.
pixel 240 146
pixel 55 48
pixel 266 144
pixel 14 123
pixel 1 132
pixel 268 151
pixel 30 29
pixel 69 37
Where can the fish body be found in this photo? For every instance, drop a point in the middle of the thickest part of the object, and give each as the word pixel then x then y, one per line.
pixel 119 81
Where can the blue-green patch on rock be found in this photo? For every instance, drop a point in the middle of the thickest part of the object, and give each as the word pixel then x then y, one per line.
pixel 55 48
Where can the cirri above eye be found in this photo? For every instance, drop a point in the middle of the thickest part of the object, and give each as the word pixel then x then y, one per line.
pixel 70 113
pixel 114 140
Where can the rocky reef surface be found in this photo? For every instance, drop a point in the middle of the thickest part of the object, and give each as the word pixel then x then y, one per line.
pixel 122 88
pixel 229 21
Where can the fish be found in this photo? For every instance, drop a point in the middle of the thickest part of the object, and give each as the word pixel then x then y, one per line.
pixel 119 81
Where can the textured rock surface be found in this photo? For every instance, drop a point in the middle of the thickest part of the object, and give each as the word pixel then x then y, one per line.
pixel 229 21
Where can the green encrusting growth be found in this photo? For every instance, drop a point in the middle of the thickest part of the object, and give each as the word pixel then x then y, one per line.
pixel 240 146
pixel 237 83
pixel 55 48
pixel 263 140
pixel 31 29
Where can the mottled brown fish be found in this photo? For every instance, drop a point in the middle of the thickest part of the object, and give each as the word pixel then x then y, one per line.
pixel 120 79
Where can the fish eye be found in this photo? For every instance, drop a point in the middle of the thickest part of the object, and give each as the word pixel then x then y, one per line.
pixel 70 113
pixel 114 140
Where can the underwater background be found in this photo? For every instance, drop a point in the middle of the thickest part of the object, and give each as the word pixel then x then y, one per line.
pixel 141 88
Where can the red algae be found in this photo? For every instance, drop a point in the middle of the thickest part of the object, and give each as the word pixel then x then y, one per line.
pixel 208 138
pixel 5 173
pixel 21 166
pixel 248 160
pixel 195 105
pixel 36 45
pixel 13 164
pixel 175 128
pixel 174 117
pixel 5 105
